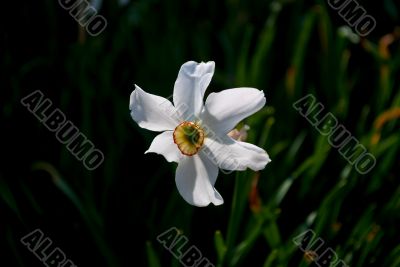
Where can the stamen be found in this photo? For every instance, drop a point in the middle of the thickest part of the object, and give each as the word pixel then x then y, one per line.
pixel 189 138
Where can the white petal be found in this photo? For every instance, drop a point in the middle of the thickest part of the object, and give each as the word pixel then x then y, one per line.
pixel 224 110
pixel 234 155
pixel 152 112
pixel 193 80
pixel 163 144
pixel 195 179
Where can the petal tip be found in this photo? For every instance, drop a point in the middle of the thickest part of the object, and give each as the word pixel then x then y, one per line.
pixel 218 203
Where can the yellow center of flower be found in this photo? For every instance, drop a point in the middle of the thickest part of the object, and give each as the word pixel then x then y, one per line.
pixel 189 137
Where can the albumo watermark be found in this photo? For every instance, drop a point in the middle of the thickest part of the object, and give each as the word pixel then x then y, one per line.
pixel 44 249
pixel 86 15
pixel 66 132
pixel 178 244
pixel 316 251
pixel 355 15
pixel 338 136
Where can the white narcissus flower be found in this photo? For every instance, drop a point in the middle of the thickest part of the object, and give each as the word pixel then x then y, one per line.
pixel 195 135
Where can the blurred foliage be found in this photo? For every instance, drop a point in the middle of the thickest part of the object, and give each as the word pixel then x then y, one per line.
pixel 111 216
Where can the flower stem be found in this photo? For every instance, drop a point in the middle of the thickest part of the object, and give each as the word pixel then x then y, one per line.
pixel 242 187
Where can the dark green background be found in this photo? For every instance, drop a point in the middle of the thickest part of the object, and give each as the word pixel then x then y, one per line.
pixel 111 216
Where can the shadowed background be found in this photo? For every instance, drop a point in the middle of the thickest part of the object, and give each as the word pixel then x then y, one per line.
pixel 288 49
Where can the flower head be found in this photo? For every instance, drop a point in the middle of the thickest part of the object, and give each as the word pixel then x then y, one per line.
pixel 196 135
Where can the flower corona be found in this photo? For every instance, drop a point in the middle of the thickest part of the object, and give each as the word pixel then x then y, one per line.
pixel 189 137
